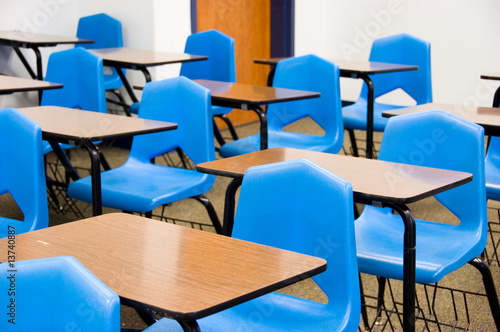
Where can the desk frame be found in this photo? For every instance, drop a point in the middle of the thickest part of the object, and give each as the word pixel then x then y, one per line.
pixel 95 242
pixel 87 136
pixel 358 70
pixel 235 167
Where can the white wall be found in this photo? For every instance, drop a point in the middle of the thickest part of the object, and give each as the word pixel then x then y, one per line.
pixel 462 33
pixel 153 24
pixel 40 16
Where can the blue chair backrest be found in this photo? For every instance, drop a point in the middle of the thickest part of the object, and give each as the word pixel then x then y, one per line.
pixel 58 294
pixel 81 74
pixel 492 165
pixel 103 29
pixel 186 103
pixel 442 140
pixel 407 50
pixel 309 73
pixel 219 48
pixel 22 171
pixel 297 205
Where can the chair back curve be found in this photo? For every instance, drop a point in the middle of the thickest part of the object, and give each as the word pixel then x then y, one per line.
pixel 429 139
pixel 58 294
pixel 23 172
pixel 403 49
pixel 178 100
pixel 81 74
pixel 219 48
pixel 309 73
pixel 299 206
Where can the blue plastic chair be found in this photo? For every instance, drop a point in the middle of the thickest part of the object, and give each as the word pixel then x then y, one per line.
pixel 431 139
pixel 106 32
pixel 298 206
pixel 23 174
pixel 139 185
pixel 220 66
pixel 310 73
pixel 57 294
pixel 401 49
pixel 492 165
pixel 80 73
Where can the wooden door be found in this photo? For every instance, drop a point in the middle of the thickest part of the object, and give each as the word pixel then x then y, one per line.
pixel 248 22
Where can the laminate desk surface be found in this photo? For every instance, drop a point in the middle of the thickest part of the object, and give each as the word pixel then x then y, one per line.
pixel 182 272
pixel 357 70
pixel 123 57
pixel 251 97
pixel 372 180
pixel 487 117
pixel 83 128
pixel 349 67
pixel 77 125
pixel 130 58
pixel 238 93
pixel 28 39
pixel 18 39
pixel 10 84
pixel 493 76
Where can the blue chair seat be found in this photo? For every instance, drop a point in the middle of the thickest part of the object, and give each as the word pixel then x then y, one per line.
pixel 295 205
pixel 355 115
pixel 309 316
pixel 437 255
pixel 140 187
pixel 441 140
pixel 309 73
pixel 277 140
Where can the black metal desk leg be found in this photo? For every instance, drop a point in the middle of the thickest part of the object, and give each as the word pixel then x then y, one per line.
pixel 369 116
pixel 190 325
pixel 126 84
pixel 496 98
pixel 263 126
pixel 270 76
pixel 25 62
pixel 409 266
pixel 95 173
pixel 229 206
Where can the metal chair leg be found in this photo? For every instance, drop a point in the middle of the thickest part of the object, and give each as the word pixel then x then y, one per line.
pixel 211 212
pixel 354 146
pixel 364 314
pixel 230 126
pixel 489 287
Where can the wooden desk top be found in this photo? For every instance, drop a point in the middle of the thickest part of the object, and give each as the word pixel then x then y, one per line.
pixel 487 117
pixel 372 180
pixel 9 84
pixel 183 272
pixel 77 125
pixel 130 58
pixel 349 67
pixel 38 39
pixel 252 94
pixel 494 76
